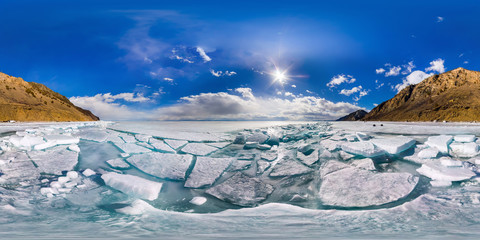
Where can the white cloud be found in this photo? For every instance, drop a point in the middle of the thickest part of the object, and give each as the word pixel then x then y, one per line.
pixel 393 71
pixel 225 106
pixel 440 19
pixel 105 109
pixel 407 68
pixel 378 84
pixel 289 94
pixel 436 66
pixel 348 92
pixel 308 91
pixel 147 60
pixel 339 79
pixel 221 73
pixel 414 78
pixel 294 86
pixel 128 97
pixel 246 93
pixel 465 62
pixel 168 79
pixel 204 56
pixel 380 70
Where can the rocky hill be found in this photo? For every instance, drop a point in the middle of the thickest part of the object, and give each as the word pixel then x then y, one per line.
pixel 354 116
pixel 450 96
pixel 30 101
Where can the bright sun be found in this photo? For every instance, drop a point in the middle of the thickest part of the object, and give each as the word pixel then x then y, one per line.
pixel 280 76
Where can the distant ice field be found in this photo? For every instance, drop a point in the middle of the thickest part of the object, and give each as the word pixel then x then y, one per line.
pixel 240 179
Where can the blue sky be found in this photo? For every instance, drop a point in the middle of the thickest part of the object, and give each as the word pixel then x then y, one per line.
pixel 218 60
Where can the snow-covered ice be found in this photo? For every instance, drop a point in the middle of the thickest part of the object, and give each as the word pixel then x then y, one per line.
pixel 289 167
pixel 440 142
pixel 438 171
pixel 199 149
pixel 366 149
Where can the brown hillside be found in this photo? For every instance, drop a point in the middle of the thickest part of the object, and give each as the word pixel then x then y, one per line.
pixel 30 101
pixel 450 96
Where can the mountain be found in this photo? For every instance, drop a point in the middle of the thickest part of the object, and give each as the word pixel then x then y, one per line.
pixel 354 116
pixel 450 96
pixel 30 101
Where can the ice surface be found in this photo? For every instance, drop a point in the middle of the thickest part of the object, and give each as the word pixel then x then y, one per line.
pixel 162 165
pixel 74 148
pixel 54 160
pixel 88 172
pixel 347 186
pixel 198 201
pixel 440 183
pixel 330 145
pixel 440 142
pixel 118 163
pixel 366 149
pixel 428 153
pixel 437 171
pixel 133 185
pixel 92 135
pixel 206 171
pixel 365 163
pixel 131 148
pixel 246 156
pixel 262 166
pixel 394 145
pixel 345 156
pixel 269 156
pixel 16 167
pixel 264 147
pixel 175 144
pixel 289 167
pixel 240 139
pixel 219 144
pixel 142 137
pixel 137 207
pixel 160 145
pixel 241 190
pixel 199 149
pixel 469 149
pixel 464 138
pixel 308 159
pixel 239 165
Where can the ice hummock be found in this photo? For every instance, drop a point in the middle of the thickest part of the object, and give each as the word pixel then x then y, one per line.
pixel 439 142
pixel 438 171
pixel 133 185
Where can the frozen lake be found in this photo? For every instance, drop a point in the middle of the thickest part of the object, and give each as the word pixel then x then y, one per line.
pixel 239 179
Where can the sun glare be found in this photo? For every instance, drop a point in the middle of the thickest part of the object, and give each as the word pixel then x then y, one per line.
pixel 280 76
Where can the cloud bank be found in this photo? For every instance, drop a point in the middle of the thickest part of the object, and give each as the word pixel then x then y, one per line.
pixel 240 104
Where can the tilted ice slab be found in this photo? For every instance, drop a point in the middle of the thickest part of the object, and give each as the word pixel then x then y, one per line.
pixel 394 145
pixel 469 149
pixel 162 165
pixel 346 186
pixel 437 171
pixel 54 160
pixel 464 138
pixel 308 159
pixel 206 171
pixel 289 167
pixel 428 153
pixel 366 149
pixel 133 185
pixel 241 190
pixel 160 145
pixel 365 163
pixel 440 142
pixel 53 140
pixel 199 149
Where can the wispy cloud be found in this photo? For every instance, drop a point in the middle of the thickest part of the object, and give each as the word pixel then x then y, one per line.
pixel 221 73
pixel 204 56
pixel 440 19
pixel 339 79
